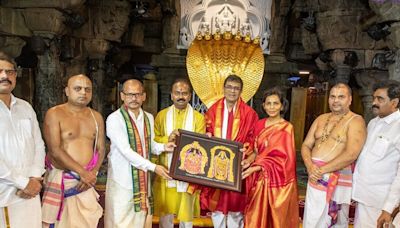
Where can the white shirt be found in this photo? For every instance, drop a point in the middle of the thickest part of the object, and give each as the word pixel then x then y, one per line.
pixel 21 149
pixel 377 166
pixel 225 119
pixel 121 156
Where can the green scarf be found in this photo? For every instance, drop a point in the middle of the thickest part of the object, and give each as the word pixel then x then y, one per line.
pixel 140 179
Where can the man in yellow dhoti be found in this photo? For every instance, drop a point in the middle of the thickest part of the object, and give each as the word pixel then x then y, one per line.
pixel 178 116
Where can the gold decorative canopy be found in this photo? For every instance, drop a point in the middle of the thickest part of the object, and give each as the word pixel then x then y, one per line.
pixel 212 58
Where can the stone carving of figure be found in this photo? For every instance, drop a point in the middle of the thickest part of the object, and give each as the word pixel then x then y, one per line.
pixel 184 37
pixel 225 19
pixel 246 27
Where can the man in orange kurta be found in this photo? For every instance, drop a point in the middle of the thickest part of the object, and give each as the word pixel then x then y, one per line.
pixel 229 118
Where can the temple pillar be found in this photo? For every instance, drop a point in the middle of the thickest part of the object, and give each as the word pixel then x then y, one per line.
pixel 170 63
pixel 73 53
pixel 170 25
pixel 46 25
pixel 50 72
pixel 97 50
pixel 342 67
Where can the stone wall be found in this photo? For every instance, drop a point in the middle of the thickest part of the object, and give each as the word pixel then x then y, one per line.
pixel 347 41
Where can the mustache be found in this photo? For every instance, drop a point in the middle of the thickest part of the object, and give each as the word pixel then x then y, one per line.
pixel 5 80
pixel 181 99
pixel 375 106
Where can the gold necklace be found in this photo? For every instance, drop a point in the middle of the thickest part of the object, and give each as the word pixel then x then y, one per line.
pixel 325 133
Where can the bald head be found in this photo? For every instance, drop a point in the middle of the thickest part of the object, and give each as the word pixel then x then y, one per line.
pixel 341 85
pixel 74 78
pixel 79 90
pixel 133 95
pixel 340 98
pixel 134 83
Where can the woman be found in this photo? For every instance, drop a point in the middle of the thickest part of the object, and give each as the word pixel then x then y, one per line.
pixel 271 179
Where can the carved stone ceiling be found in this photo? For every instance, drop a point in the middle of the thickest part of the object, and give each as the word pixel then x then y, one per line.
pixel 296 30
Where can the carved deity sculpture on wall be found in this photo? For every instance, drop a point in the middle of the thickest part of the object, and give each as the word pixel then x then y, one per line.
pixel 247 17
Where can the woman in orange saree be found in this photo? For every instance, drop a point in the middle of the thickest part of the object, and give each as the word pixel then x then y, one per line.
pixel 271 185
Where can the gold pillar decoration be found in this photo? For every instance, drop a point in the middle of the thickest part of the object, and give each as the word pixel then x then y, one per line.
pixel 211 59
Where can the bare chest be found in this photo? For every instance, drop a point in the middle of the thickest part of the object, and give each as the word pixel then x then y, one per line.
pixel 77 127
pixel 332 131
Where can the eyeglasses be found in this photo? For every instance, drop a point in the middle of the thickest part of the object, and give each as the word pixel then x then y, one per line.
pixel 9 72
pixel 132 95
pixel 233 88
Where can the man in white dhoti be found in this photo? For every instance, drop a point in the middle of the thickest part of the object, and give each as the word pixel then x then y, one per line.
pixel 129 201
pixel 332 144
pixel 21 155
pixel 377 175
pixel 74 135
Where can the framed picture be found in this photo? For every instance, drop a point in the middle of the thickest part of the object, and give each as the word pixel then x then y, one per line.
pixel 207 161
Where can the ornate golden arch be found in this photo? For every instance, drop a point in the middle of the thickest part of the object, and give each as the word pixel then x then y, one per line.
pixel 211 58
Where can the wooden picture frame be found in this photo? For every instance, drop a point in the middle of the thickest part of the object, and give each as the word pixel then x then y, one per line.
pixel 208 161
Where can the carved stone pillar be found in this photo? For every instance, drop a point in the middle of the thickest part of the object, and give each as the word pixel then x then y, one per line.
pixel 97 73
pixel 73 53
pixel 76 66
pixel 171 17
pixel 339 63
pixel 97 50
pixel 366 79
pixel 46 24
pixel 48 90
pixel 170 63
pixel 279 21
pixel 342 73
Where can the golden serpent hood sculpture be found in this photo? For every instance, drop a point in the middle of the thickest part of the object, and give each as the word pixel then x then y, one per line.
pixel 212 58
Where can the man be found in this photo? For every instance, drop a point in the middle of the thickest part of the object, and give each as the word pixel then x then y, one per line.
pixel 131 131
pixel 21 155
pixel 230 118
pixel 171 197
pixel 74 134
pixel 377 175
pixel 332 144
